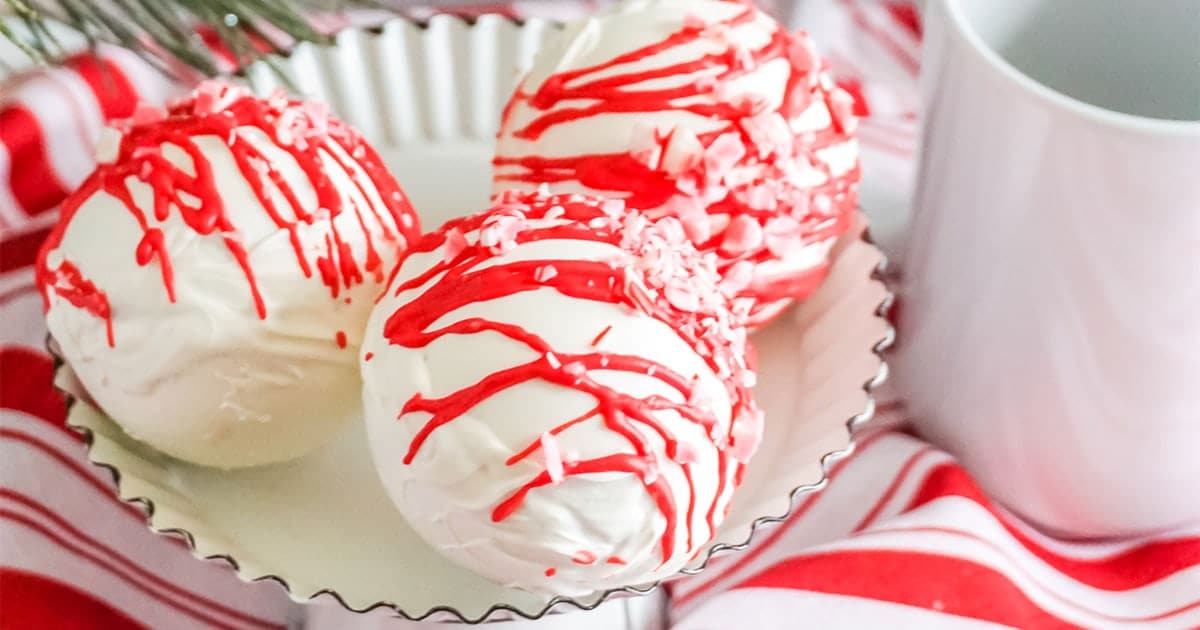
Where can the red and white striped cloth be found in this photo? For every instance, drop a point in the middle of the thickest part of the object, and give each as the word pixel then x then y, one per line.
pixel 901 538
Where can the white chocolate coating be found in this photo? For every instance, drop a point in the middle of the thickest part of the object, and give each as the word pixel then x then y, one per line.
pixel 581 532
pixel 205 377
pixel 704 110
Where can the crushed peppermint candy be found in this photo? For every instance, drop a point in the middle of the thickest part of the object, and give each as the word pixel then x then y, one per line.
pixel 576 369
pixel 760 111
pixel 743 59
pixel 682 151
pixel 552 458
pixel 770 133
pixel 694 22
pixel 655 272
pixel 782 235
pixel 650 474
pixel 499 232
pixel 744 234
pixel 211 97
pixel 723 154
pixel 685 453
pixel 746 436
pixel 738 277
pixel 456 242
pixel 841 105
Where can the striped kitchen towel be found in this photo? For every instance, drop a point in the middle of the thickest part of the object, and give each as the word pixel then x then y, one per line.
pixel 902 537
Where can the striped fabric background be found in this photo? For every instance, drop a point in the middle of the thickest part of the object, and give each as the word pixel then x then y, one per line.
pixel 902 538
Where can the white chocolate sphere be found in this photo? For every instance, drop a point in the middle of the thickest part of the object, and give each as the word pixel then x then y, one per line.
pixel 556 395
pixel 706 110
pixel 210 281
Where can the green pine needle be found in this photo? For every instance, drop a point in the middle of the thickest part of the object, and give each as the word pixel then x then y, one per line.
pixel 164 31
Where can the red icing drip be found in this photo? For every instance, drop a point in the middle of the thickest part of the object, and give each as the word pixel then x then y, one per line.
pixel 536 444
pixel 340 338
pixel 368 356
pixel 303 132
pixel 584 557
pixel 68 283
pixel 615 560
pixel 463 282
pixel 646 186
pixel 613 91
pixel 152 246
pixel 600 337
pixel 551 571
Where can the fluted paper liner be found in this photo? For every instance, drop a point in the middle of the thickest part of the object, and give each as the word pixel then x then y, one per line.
pixel 428 96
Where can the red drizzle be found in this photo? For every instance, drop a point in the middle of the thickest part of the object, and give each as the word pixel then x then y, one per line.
pixel 463 282
pixel 596 341
pixel 304 131
pixel 582 93
pixel 340 339
pixel 69 284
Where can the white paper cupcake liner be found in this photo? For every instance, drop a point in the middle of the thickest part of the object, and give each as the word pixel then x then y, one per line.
pixel 428 95
pixel 408 82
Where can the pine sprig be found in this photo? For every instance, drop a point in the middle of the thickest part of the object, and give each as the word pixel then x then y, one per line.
pixel 165 32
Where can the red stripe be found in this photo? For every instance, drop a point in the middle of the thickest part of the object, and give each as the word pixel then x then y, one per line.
pixel 905 14
pixel 38 528
pixel 84 133
pixel 73 466
pixel 1129 569
pixel 842 65
pixel 892 489
pixel 84 474
pixel 15 293
pixel 947 585
pixel 892 127
pixel 113 90
pixel 854 88
pixel 127 564
pixel 34 183
pixel 897 51
pixel 1016 566
pixel 26 379
pixel 19 252
pixel 874 133
pixel 717 572
pixel 34 601
pixel 885 146
pixel 215 43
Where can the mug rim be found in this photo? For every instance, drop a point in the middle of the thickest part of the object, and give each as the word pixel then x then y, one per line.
pixel 1095 113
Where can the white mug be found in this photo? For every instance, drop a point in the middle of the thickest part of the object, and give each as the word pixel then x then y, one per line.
pixel 1050 328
